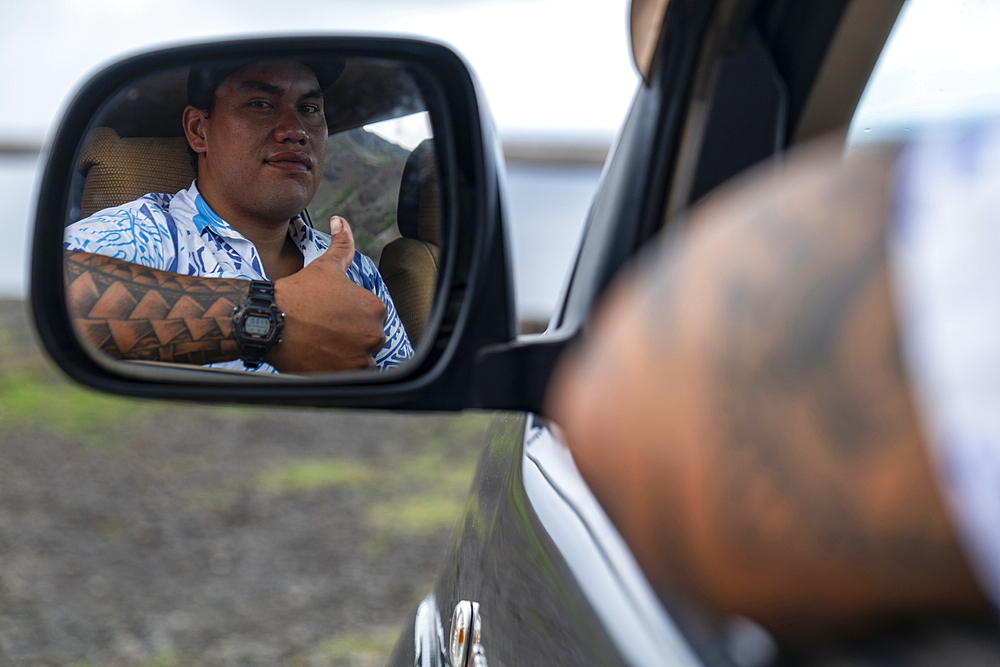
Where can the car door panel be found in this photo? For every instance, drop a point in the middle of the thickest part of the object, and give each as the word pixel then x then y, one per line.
pixel 555 582
pixel 533 611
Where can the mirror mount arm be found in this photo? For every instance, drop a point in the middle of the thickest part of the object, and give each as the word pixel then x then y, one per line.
pixel 515 375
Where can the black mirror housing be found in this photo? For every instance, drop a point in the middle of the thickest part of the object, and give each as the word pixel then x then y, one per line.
pixel 474 305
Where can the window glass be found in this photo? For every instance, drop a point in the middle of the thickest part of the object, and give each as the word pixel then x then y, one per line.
pixel 940 64
pixel 361 178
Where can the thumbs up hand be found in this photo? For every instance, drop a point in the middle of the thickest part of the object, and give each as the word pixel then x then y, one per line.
pixel 331 324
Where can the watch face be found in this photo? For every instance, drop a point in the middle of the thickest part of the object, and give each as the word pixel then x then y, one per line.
pixel 257 325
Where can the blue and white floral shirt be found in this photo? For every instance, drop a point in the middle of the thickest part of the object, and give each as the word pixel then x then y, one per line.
pixel 180 233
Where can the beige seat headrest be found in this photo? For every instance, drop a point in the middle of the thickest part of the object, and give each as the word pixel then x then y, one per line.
pixel 120 169
pixel 409 265
pixel 418 213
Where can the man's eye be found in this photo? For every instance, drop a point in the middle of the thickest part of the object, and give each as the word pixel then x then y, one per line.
pixel 260 104
pixel 310 108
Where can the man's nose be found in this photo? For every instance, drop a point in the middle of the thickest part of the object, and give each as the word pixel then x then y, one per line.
pixel 289 127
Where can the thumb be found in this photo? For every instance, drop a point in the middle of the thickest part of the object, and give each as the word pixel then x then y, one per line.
pixel 341 250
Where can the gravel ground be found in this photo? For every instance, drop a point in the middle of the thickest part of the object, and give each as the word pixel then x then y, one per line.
pixel 156 535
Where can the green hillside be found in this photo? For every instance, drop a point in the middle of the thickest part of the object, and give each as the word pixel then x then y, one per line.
pixel 361 184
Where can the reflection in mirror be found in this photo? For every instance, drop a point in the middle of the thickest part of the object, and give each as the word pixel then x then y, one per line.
pixel 196 187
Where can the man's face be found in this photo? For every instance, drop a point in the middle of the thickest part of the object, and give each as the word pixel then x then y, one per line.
pixel 262 147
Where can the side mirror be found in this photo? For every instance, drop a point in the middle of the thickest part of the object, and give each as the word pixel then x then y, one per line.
pixel 176 177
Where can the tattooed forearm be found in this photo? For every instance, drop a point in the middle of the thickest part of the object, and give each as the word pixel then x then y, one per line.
pixel 820 482
pixel 742 413
pixel 798 417
pixel 130 311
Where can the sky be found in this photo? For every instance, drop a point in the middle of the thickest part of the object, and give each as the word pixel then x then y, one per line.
pixel 556 69
pixel 941 63
pixel 549 68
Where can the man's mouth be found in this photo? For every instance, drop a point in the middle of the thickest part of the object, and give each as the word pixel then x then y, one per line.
pixel 290 161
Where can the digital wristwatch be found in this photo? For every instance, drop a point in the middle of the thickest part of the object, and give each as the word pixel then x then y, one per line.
pixel 257 323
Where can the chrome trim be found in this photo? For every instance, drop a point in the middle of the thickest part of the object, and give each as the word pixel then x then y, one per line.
pixel 595 552
pixel 428 637
pixel 478 657
pixel 477 626
pixel 461 631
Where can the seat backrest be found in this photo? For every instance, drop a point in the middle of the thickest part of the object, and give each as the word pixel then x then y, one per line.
pixel 117 169
pixel 409 265
pixel 418 213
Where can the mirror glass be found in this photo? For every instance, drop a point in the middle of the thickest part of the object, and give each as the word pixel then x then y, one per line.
pixel 315 177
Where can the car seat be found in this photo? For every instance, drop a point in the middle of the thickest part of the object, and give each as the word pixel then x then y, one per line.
pixel 120 169
pixel 409 264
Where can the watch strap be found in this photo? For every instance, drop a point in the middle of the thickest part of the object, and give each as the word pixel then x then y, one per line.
pixel 259 296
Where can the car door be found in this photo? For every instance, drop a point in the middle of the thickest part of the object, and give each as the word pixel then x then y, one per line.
pixel 731 84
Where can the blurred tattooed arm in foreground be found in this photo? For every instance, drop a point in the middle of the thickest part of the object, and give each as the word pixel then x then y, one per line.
pixel 742 411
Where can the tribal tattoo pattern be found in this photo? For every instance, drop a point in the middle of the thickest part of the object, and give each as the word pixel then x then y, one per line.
pixel 820 466
pixel 129 311
pixel 771 461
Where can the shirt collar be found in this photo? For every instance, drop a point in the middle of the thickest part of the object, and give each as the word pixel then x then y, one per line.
pixel 311 243
pixel 206 217
pixel 189 204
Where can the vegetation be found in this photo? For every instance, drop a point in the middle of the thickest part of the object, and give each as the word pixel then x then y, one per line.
pixel 361 183
pixel 170 534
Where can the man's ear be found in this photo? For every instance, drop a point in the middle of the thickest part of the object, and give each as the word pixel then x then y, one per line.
pixel 194 121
